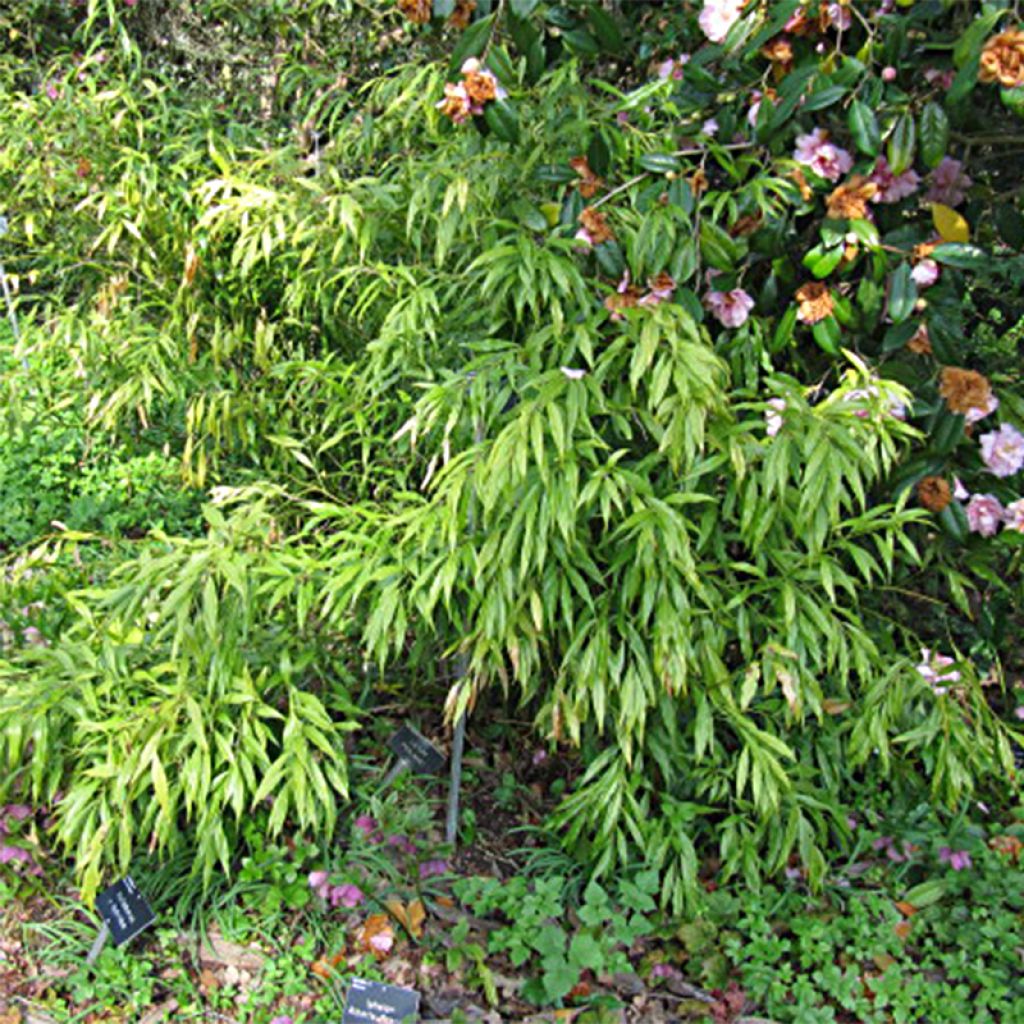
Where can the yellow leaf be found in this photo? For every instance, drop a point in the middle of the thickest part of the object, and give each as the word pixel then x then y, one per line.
pixel 949 224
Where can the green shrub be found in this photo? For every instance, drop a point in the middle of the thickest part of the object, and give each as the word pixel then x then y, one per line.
pixel 626 434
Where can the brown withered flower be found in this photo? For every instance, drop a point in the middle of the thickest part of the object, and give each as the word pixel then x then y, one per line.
pixel 801 183
pixel 815 302
pixel 1002 59
pixel 923 251
pixel 626 297
pixel 480 86
pixel 964 390
pixel 459 18
pixel 746 225
pixel 850 200
pixel 698 181
pixel 920 344
pixel 933 493
pixel 780 52
pixel 589 183
pixel 416 11
pixel 595 224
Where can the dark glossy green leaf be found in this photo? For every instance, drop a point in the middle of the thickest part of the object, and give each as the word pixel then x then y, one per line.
pixel 827 333
pixel 961 255
pixel 902 144
pixel 821 261
pixel 558 174
pixel 948 431
pixel 718 249
pixel 822 98
pixel 953 520
pixel 522 8
pixel 783 333
pixel 580 41
pixel 934 134
pixel 660 163
pixel 605 28
pixel 897 336
pixel 864 128
pixel 1010 224
pixel 471 43
pixel 502 119
pixel 610 259
pixel 902 293
pixel 598 154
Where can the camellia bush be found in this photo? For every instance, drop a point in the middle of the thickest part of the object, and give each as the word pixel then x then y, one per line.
pixel 660 364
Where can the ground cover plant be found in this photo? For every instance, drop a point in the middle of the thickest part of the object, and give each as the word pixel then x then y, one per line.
pixel 650 372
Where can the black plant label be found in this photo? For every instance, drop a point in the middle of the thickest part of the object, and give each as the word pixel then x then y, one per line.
pixel 124 910
pixel 370 1002
pixel 416 751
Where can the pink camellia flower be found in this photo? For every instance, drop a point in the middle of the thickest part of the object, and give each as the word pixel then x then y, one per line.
pixel 403 843
pixel 456 103
pixel 931 670
pixel 755 105
pixel 432 868
pixel 893 187
pixel 959 491
pixel 943 79
pixel 976 412
pixel 382 941
pixel 368 826
pixel 773 416
pixel 925 274
pixel 347 895
pixel 718 17
pixel 888 73
pixel 731 309
pixel 665 971
pixel 1019 712
pixel 1003 450
pixel 318 883
pixel 949 184
pixel 1013 518
pixel 662 288
pixel 673 67
pixel 984 514
pixel 14 855
pixel 824 158
pixel 888 844
pixel 839 15
pixel 958 860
